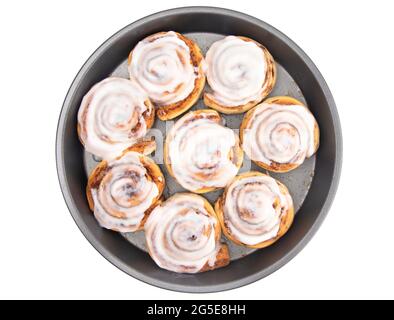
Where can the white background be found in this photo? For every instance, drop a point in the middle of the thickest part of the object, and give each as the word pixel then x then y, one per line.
pixel 43 45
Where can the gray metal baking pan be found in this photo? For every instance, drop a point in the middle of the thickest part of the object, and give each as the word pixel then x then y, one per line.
pixel 312 185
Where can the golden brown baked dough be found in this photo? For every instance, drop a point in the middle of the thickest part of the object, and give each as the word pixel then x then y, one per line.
pixel 241 72
pixel 200 153
pixel 183 235
pixel 279 134
pixel 255 210
pixel 122 192
pixel 169 66
pixel 115 114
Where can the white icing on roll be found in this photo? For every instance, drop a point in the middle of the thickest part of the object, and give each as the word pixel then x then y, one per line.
pixel 236 71
pixel 111 117
pixel 198 150
pixel 180 234
pixel 124 194
pixel 162 65
pixel 280 133
pixel 253 209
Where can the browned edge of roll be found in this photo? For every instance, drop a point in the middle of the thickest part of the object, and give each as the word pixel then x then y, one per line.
pixel 286 220
pixel 144 148
pixel 171 111
pixel 275 166
pixel 236 154
pixel 269 83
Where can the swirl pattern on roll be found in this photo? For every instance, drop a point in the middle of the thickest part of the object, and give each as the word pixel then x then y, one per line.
pixel 163 66
pixel 277 135
pixel 255 208
pixel 122 191
pixel 201 153
pixel 113 115
pixel 239 71
pixel 183 235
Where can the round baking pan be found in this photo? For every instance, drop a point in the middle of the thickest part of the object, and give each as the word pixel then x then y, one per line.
pixel 312 185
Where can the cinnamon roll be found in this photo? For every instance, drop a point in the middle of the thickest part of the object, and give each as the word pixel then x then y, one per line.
pixel 121 192
pixel 169 66
pixel 241 72
pixel 255 210
pixel 279 134
pixel 114 114
pixel 183 235
pixel 201 153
